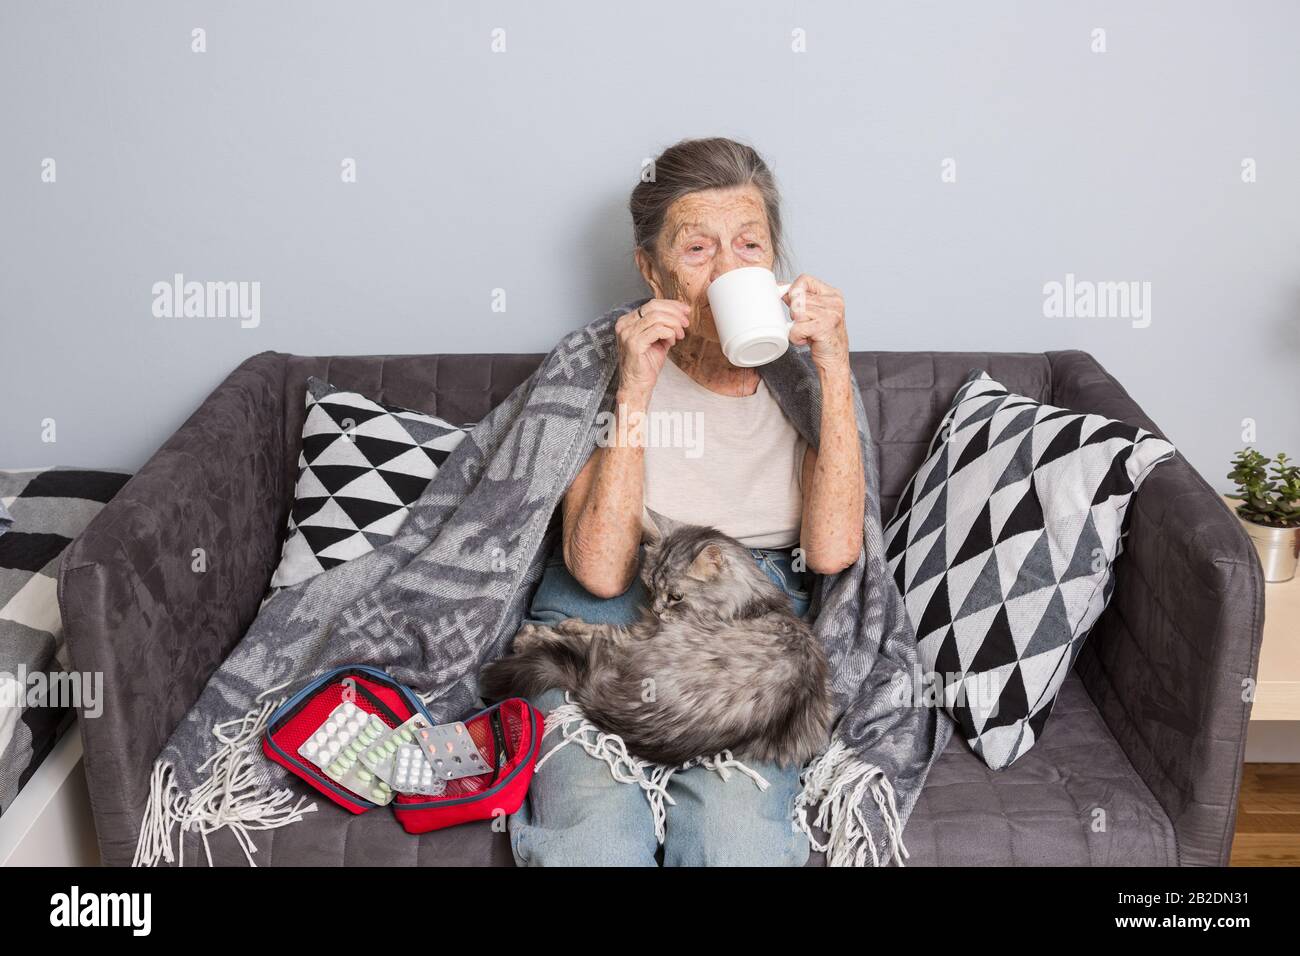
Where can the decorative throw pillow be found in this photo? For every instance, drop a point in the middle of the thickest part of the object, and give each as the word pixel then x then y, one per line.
pixel 361 468
pixel 1002 547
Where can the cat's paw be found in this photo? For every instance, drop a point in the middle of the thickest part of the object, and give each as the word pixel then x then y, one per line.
pixel 529 635
pixel 576 627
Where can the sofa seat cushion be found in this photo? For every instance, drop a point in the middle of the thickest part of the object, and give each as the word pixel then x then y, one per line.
pixel 333 837
pixel 1038 811
pixel 1073 800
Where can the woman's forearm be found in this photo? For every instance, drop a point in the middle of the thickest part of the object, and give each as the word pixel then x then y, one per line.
pixel 835 496
pixel 602 513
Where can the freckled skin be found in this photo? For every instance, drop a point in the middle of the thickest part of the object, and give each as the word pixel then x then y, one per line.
pixel 706 234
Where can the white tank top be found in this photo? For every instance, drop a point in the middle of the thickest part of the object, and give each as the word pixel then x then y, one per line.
pixel 733 462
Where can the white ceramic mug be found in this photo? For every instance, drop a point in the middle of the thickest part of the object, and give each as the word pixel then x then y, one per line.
pixel 747 309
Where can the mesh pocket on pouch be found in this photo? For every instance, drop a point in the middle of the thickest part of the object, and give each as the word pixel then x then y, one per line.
pixel 480 731
pixel 299 718
pixel 483 796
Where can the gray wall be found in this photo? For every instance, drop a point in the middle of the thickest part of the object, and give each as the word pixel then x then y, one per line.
pixel 479 171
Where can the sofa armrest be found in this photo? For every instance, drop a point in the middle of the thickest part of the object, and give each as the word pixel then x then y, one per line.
pixel 1170 661
pixel 136 608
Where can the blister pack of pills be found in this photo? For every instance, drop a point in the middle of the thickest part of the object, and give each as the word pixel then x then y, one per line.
pixel 451 750
pixel 412 773
pixel 349 747
pixel 379 756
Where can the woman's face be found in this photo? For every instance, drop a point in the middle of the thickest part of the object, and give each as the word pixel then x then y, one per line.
pixel 706 234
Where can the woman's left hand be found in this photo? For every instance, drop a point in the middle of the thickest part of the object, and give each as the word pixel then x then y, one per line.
pixel 818 313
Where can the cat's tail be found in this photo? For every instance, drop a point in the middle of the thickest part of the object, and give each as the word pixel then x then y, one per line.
pixel 800 728
pixel 557 662
pixel 803 731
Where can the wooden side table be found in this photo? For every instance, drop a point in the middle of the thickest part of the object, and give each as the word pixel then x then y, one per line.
pixel 1277 691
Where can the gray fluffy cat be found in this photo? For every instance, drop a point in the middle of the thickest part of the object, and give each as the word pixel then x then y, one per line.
pixel 717 662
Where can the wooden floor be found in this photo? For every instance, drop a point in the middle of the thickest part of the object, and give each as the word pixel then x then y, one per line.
pixel 1268 816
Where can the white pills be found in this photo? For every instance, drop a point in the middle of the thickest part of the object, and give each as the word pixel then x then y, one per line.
pixel 413 774
pixel 349 741
pixel 360 752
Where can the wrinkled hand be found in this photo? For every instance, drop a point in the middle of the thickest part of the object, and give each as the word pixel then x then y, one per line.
pixel 818 313
pixel 644 337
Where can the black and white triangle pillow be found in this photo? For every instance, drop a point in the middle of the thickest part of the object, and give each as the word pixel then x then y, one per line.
pixel 361 468
pixel 1002 546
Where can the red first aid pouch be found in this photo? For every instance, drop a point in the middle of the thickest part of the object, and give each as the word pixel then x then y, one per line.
pixel 508 737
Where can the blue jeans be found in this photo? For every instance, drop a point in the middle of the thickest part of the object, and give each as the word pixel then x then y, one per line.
pixel 576 814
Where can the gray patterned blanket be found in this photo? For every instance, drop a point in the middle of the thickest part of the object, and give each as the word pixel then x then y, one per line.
pixel 448 593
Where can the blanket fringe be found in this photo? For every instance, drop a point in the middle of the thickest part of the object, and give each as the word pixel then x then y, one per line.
pixel 652 778
pixel 838 782
pixel 232 797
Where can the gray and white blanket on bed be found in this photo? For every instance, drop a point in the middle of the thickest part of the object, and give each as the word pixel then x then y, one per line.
pixel 448 593
pixel 41 511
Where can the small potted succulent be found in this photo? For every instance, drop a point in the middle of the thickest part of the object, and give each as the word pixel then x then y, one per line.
pixel 1269 510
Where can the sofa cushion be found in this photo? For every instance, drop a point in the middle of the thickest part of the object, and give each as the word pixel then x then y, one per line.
pixel 455 388
pixel 906 394
pixel 1002 548
pixel 361 467
pixel 1075 800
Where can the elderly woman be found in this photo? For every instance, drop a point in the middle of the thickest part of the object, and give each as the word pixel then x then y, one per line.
pixel 711 207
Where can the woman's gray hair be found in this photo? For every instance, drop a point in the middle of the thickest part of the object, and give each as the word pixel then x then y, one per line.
pixel 694 165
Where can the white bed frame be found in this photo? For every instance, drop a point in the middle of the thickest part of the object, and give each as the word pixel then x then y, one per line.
pixel 50 822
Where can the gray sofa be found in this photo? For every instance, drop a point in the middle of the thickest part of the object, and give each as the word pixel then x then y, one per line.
pixel 1140 763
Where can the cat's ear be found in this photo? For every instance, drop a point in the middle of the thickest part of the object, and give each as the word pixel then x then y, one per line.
pixel 654 526
pixel 708 563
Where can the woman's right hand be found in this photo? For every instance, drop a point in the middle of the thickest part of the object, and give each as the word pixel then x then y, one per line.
pixel 644 337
